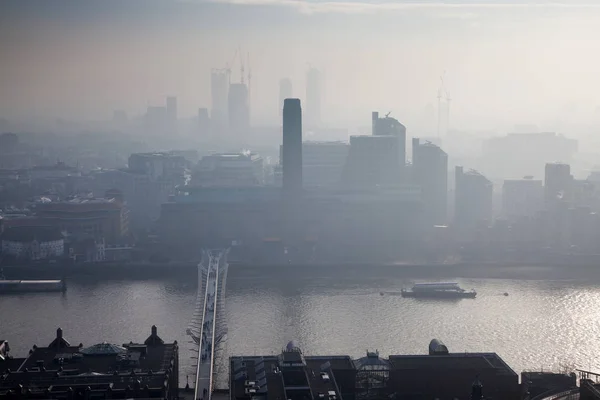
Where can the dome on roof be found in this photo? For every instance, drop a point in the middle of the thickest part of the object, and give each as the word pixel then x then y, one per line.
pixel 103 349
pixel 372 361
pixel 437 347
pixel 291 345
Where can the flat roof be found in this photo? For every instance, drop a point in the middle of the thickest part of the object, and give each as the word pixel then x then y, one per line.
pixel 302 380
pixel 479 361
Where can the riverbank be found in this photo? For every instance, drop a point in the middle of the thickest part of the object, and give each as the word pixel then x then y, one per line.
pixel 109 269
pixel 144 270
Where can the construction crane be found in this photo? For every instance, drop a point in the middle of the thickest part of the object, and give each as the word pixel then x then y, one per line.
pixel 241 66
pixel 249 82
pixel 443 93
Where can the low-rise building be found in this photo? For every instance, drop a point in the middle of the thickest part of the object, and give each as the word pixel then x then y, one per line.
pixel 33 243
pixel 290 375
pixel 439 374
pixel 98 217
pixel 237 169
pixel 148 370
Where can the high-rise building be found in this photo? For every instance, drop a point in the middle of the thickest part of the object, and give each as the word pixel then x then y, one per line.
pixel 285 92
pixel 313 97
pixel 239 112
pixel 292 149
pixel 558 182
pixel 372 161
pixel 522 197
pixel 388 126
pixel 155 120
pixel 172 109
pixel 219 89
pixel 430 173
pixel 519 154
pixel 203 120
pixel 474 196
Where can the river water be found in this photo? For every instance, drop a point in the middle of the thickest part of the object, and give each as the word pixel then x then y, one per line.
pixel 547 323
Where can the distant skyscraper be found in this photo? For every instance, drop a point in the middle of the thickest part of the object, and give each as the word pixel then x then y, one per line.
pixel 473 201
pixel 388 126
pixel 557 183
pixel 285 92
pixel 219 88
pixel 155 120
pixel 292 149
pixel 313 97
pixel 172 109
pixel 238 110
pixel 203 120
pixel 430 173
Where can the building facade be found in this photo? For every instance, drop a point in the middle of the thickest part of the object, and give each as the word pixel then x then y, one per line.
pixel 33 243
pixel 430 173
pixel 522 198
pixel 473 202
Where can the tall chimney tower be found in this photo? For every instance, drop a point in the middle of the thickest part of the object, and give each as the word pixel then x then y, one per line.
pixel 292 149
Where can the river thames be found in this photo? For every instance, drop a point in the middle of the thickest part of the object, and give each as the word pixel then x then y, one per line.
pixel 549 323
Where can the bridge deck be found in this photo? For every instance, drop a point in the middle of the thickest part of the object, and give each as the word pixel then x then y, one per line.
pixel 204 372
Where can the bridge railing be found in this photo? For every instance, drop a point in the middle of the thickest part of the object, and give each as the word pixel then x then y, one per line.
pixel 200 345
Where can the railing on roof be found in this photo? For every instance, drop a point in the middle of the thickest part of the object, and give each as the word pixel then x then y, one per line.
pixel 570 394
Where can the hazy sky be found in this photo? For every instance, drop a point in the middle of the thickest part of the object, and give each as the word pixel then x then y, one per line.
pixel 505 63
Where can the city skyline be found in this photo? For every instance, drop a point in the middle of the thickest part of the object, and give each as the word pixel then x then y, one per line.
pixel 542 80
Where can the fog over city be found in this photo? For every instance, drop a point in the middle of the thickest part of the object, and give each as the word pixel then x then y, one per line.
pixel 506 63
pixel 234 199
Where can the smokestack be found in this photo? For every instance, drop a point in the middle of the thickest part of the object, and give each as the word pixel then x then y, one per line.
pixel 374 119
pixel 292 148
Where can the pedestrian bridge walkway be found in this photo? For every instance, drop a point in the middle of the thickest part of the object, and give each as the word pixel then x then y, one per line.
pixel 207 329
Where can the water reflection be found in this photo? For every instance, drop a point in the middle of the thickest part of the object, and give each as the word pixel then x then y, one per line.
pixel 540 324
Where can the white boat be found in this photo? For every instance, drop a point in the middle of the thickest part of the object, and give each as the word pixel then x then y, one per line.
pixel 445 290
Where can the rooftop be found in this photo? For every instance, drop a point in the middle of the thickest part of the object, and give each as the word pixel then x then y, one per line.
pixel 30 233
pixel 141 369
pixel 287 376
pixel 471 361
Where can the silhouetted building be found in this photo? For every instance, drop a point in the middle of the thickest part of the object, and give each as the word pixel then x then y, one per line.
pixel 520 154
pixel 323 163
pixel 387 126
pixel 239 111
pixel 285 92
pixel 156 120
pixel 236 170
pixel 33 243
pixel 473 203
pixel 157 165
pixel 172 114
pixel 372 161
pixel 293 375
pixel 313 97
pixel 430 173
pixel 8 142
pixel 558 183
pixel 292 149
pixel 60 371
pixel 522 197
pixel 219 90
pixel 93 217
pixel 203 120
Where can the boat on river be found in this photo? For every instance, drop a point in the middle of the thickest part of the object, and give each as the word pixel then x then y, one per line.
pixel 440 290
pixel 9 286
